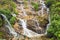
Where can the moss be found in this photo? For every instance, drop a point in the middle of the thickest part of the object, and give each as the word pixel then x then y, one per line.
pixel 1 34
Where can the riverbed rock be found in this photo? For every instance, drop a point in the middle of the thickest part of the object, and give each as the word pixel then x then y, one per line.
pixel 18 28
pixel 32 25
pixel 5 34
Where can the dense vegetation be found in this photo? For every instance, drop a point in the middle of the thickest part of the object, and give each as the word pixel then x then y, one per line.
pixel 54 29
pixel 35 6
pixel 7 7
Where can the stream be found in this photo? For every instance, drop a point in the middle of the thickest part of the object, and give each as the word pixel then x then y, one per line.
pixel 23 22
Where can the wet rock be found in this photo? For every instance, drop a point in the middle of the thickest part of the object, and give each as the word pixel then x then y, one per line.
pixel 18 28
pixel 32 25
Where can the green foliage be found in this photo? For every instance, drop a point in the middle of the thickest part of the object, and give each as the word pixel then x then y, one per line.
pixel 52 39
pixel 6 12
pixel 54 28
pixel 50 1
pixel 7 7
pixel 12 20
pixel 8 4
pixel 35 5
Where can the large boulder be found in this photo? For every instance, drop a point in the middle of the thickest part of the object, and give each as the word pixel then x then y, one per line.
pixel 32 25
pixel 18 28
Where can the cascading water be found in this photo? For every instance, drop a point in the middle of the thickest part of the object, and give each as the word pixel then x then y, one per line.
pixel 43 6
pixel 47 10
pixel 42 11
pixel 12 31
pixel 48 24
pixel 24 25
pixel 27 32
pixel 23 22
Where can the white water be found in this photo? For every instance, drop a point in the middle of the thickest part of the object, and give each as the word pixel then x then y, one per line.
pixel 48 11
pixel 43 6
pixel 14 15
pixel 27 32
pixel 42 11
pixel 48 24
pixel 12 31
pixel 23 22
pixel 24 25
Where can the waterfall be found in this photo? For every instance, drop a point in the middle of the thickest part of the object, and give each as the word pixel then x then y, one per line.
pixel 47 10
pixel 27 32
pixel 12 31
pixel 23 22
pixel 42 11
pixel 24 25
pixel 48 24
pixel 43 6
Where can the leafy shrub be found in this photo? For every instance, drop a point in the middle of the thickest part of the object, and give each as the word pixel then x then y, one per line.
pixel 8 4
pixel 35 5
pixel 54 28
pixel 6 12
pixel 12 20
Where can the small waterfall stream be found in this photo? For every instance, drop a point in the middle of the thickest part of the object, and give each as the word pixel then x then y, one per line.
pixel 42 11
pixel 8 25
pixel 43 6
pixel 23 23
pixel 27 32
